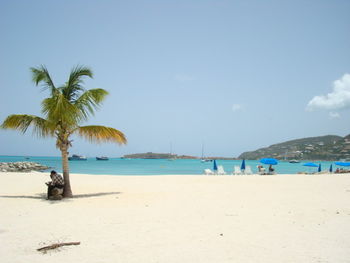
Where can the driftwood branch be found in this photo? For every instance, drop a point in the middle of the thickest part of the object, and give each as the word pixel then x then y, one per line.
pixel 57 245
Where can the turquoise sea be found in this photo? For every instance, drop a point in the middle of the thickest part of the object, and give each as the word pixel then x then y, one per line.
pixel 118 166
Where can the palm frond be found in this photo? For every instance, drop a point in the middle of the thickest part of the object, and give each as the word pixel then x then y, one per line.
pixel 90 100
pixel 21 122
pixel 59 110
pixel 99 134
pixel 72 88
pixel 77 73
pixel 41 74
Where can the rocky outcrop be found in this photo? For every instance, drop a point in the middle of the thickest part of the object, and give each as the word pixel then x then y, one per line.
pixel 22 167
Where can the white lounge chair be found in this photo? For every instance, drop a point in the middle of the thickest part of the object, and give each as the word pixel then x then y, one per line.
pixel 237 170
pixel 221 170
pixel 248 170
pixel 261 170
pixel 208 172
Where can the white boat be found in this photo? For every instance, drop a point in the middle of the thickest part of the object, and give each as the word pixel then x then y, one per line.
pixel 76 157
pixel 102 158
pixel 294 161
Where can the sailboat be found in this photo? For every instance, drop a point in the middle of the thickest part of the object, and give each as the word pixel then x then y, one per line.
pixel 172 157
pixel 203 160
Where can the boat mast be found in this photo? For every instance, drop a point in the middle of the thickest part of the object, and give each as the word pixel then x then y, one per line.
pixel 202 151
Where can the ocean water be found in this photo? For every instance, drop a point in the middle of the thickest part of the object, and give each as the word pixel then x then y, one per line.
pixel 117 166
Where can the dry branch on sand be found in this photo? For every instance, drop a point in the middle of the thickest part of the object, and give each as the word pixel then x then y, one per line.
pixel 57 245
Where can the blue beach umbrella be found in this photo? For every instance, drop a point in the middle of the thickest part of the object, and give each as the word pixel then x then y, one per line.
pixel 215 167
pixel 243 165
pixel 331 168
pixel 271 161
pixel 310 165
pixel 319 168
pixel 342 163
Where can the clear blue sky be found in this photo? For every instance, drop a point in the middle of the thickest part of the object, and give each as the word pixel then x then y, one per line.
pixel 235 75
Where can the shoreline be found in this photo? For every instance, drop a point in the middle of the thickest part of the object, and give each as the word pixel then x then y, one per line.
pixel 179 157
pixel 159 167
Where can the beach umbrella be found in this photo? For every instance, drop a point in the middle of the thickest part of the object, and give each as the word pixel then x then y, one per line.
pixel 331 168
pixel 271 161
pixel 310 165
pixel 215 167
pixel 342 163
pixel 319 168
pixel 243 165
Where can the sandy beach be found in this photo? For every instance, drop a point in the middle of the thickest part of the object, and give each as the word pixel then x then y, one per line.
pixel 281 218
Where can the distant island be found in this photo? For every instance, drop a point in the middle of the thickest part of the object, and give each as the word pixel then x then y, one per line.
pixel 151 155
pixel 329 147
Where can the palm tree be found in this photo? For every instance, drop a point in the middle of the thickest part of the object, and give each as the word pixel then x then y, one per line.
pixel 66 108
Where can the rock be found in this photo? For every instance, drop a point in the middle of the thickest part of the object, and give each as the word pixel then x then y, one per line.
pixel 22 167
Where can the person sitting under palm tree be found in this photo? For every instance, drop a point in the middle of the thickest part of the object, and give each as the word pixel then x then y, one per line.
pixel 56 182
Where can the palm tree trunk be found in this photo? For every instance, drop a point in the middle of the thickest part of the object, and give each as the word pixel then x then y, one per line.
pixel 67 189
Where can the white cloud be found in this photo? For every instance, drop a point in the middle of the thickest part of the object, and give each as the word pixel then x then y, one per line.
pixel 236 107
pixel 183 77
pixel 338 99
pixel 334 115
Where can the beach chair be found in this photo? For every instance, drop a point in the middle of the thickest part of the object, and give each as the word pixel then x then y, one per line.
pixel 237 170
pixel 208 172
pixel 261 170
pixel 221 170
pixel 248 170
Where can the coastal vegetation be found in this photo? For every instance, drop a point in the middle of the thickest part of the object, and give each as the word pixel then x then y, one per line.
pixel 329 147
pixel 63 111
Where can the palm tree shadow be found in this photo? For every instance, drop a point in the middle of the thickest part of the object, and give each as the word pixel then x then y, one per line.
pixel 42 196
pixel 95 194
pixel 37 196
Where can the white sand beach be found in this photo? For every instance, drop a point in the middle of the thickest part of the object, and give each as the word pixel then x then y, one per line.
pixel 281 218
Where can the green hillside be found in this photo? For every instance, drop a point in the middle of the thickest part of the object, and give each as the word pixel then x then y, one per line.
pixel 329 147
